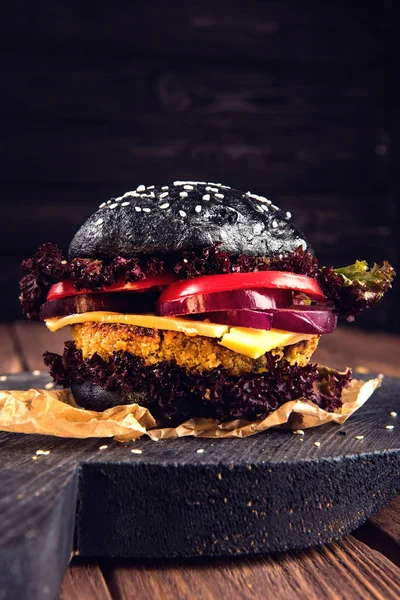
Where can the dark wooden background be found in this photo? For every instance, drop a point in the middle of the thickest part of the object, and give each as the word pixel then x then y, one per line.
pixel 295 100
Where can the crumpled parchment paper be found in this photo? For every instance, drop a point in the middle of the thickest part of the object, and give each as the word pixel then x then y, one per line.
pixel 54 412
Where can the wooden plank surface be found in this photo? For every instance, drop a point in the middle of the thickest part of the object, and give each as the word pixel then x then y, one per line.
pixel 349 569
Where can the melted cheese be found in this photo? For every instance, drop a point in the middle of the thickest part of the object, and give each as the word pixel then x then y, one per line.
pixel 243 340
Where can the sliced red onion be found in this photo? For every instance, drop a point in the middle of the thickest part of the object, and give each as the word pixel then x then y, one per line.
pixel 302 319
pixel 125 302
pixel 226 301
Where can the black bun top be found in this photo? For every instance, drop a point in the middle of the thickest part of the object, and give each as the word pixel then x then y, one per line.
pixel 186 215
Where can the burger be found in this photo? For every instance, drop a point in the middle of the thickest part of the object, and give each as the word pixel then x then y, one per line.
pixel 194 299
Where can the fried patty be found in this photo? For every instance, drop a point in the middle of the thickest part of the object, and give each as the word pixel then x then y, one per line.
pixel 191 352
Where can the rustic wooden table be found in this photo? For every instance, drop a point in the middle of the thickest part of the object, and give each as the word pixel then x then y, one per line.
pixel 364 565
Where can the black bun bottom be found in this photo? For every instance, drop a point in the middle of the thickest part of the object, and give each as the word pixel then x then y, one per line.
pixel 93 397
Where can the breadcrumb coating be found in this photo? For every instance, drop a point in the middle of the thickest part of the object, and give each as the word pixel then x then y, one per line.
pixel 191 352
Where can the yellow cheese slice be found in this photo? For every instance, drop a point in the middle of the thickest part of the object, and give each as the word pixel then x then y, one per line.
pixel 151 321
pixel 256 342
pixel 243 340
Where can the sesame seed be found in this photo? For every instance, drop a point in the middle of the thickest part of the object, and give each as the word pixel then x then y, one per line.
pixel 198 208
pixel 164 194
pixel 359 437
pixel 317 444
pixel 299 432
pixel 166 205
pixel 43 452
pixel 36 373
pixel 150 187
pixel 393 414
pixel 146 210
pixel 141 188
pixel 274 224
pixel 212 189
pixel 109 201
pixel 136 451
pixel 138 209
pixel 128 194
pixel 34 457
pixel 3 378
pixel 63 262
pixel 200 451
pixel 206 197
pixel 113 205
pixel 183 194
pixel 264 208
pixel 219 196
pixel 102 205
pixel 165 187
pixel 288 215
pixel 125 203
pixel 188 187
pixel 182 213
pixel 118 199
pixel 389 427
pixel 103 447
pixel 99 222
pixel 49 386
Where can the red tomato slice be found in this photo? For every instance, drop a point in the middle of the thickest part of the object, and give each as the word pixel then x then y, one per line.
pixel 66 288
pixel 241 281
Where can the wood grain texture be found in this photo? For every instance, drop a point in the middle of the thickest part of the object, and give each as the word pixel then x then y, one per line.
pixel 346 570
pixel 10 362
pixel 86 582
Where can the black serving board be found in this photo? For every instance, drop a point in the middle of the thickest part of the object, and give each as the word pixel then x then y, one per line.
pixel 269 492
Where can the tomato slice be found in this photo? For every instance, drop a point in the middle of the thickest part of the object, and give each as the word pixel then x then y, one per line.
pixel 241 281
pixel 65 288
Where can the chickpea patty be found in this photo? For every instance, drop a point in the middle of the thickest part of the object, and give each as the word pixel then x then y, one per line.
pixel 191 352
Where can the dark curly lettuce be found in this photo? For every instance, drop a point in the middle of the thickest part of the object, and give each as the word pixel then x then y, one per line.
pixel 348 290
pixel 352 289
pixel 172 392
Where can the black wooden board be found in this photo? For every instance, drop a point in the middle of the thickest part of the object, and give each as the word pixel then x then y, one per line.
pixel 273 491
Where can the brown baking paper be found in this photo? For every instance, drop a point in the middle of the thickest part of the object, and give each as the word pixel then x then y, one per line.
pixel 56 413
